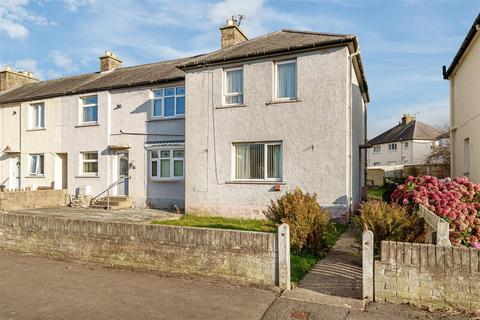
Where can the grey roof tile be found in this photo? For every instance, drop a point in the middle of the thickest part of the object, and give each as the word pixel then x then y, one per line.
pixel 415 130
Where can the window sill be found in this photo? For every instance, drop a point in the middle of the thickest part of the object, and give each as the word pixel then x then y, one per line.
pixel 166 119
pixel 229 106
pixel 35 176
pixel 283 101
pixel 96 124
pixel 264 182
pixel 36 129
pixel 86 176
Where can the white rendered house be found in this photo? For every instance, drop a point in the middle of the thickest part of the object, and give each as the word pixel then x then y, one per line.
pixel 222 133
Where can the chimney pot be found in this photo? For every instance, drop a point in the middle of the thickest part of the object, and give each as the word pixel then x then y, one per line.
pixel 109 61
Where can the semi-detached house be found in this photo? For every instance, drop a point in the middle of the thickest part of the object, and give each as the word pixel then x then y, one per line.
pixel 221 133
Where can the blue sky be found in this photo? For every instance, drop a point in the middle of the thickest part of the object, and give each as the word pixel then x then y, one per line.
pixel 403 43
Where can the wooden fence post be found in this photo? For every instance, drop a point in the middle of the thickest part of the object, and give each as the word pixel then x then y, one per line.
pixel 367 265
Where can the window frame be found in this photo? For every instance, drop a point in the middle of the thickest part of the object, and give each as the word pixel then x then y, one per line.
pixel 175 96
pixel 233 94
pixel 83 160
pixel 467 158
pixel 275 80
pixel 31 113
pixel 265 157
pixel 406 145
pixel 379 149
pixel 40 164
pixel 377 164
pixel 172 160
pixel 82 106
pixel 392 149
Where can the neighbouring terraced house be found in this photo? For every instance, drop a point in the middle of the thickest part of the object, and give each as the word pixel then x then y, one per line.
pixel 463 74
pixel 221 133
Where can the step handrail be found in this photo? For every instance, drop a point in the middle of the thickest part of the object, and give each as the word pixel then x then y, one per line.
pixel 119 181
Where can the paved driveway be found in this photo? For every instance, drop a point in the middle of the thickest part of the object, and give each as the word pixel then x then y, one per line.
pixel 37 288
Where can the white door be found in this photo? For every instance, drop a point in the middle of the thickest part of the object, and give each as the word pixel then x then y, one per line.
pixel 122 167
pixel 14 173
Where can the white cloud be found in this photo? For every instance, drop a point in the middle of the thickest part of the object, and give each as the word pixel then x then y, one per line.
pixel 62 60
pixel 73 5
pixel 14 16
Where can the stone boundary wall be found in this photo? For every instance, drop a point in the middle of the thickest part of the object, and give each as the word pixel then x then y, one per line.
pixel 429 275
pixel 242 256
pixel 20 200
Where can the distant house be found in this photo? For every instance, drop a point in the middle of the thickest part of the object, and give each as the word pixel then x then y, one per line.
pixel 222 133
pixel 409 142
pixel 463 74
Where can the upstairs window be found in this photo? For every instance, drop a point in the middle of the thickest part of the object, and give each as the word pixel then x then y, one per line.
pixel 286 80
pixel 89 109
pixel 258 161
pixel 392 147
pixel 234 86
pixel 89 164
pixel 168 102
pixel 405 144
pixel 37 116
pixel 377 149
pixel 167 163
pixel 37 164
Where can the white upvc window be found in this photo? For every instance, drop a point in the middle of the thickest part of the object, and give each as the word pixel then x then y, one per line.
pixel 37 116
pixel 392 163
pixel 376 164
pixel 377 149
pixel 37 164
pixel 392 147
pixel 286 80
pixel 168 102
pixel 405 144
pixel 258 161
pixel 466 156
pixel 233 88
pixel 167 164
pixel 89 163
pixel 89 109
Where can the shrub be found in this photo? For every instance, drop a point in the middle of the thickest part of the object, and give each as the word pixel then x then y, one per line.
pixel 307 220
pixel 390 222
pixel 455 200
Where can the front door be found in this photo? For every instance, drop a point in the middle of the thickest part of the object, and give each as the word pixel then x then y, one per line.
pixel 15 173
pixel 122 166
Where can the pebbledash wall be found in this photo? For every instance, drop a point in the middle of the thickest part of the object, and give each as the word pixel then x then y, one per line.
pixel 428 275
pixel 249 257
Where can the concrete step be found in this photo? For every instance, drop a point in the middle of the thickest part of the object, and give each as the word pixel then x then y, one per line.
pixel 101 206
pixel 116 202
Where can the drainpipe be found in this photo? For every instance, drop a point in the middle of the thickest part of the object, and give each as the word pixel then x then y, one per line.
pixel 350 122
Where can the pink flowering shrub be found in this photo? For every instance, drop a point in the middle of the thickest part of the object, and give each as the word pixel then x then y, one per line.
pixel 455 200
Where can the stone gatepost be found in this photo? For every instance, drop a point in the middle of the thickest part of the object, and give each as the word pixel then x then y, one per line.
pixel 284 256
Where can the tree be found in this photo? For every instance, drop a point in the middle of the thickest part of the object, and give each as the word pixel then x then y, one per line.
pixel 440 153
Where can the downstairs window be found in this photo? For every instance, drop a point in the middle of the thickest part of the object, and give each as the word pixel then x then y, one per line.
pixel 258 161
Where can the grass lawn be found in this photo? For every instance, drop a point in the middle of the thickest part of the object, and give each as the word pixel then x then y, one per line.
pixel 376 192
pixel 300 263
pixel 220 223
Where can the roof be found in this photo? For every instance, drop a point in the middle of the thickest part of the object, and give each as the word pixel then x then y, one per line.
pixel 159 72
pixel 279 42
pixel 166 142
pixel 468 39
pixel 275 43
pixel 415 130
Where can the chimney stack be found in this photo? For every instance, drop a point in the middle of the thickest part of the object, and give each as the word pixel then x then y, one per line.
pixel 109 61
pixel 407 118
pixel 11 79
pixel 231 33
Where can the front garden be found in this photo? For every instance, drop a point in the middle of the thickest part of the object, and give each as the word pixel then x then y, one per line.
pixel 457 201
pixel 311 232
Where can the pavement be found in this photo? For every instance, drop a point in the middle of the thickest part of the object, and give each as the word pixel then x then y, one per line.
pixel 32 287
